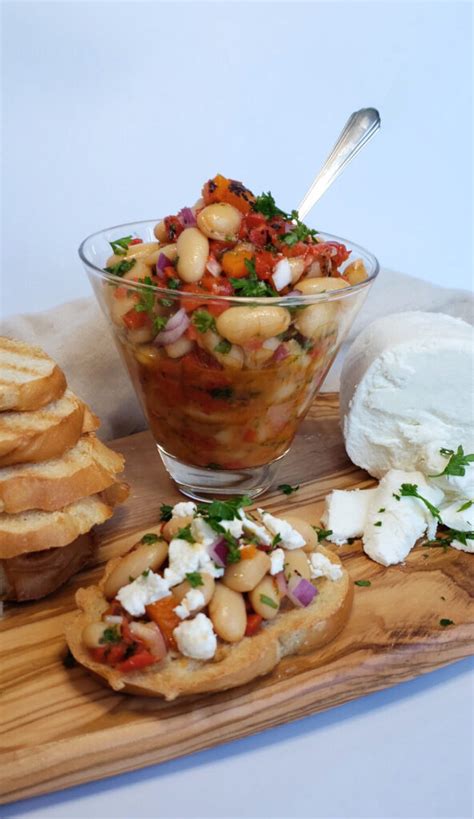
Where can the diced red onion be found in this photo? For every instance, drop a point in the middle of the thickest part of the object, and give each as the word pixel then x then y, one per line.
pixel 162 262
pixel 213 266
pixel 281 583
pixel 174 329
pixel 218 552
pixel 280 353
pixel 282 274
pixel 300 591
pixel 187 217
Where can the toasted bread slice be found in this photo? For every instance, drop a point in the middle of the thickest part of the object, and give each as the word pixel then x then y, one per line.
pixel 35 530
pixel 87 468
pixel 45 433
pixel 29 378
pixel 36 574
pixel 295 631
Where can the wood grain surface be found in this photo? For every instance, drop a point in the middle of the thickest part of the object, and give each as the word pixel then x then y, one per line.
pixel 60 727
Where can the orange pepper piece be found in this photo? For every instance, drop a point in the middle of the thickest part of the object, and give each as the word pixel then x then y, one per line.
pixel 165 618
pixel 233 262
pixel 248 552
pixel 221 189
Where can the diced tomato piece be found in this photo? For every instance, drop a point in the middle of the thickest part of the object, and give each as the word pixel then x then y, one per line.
pixel 165 618
pixel 192 304
pixel 264 263
pixel 120 292
pixel 250 436
pixel 173 228
pixel 134 320
pixel 254 622
pixel 219 285
pixel 298 249
pixel 141 659
pixel 136 242
pixel 217 248
pixel 170 271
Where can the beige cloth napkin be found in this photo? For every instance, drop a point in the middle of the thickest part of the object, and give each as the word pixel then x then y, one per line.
pixel 77 336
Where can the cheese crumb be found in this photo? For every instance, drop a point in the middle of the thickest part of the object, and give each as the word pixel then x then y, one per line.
pixel 146 589
pixel 345 513
pixel 321 566
pixel 254 529
pixel 193 600
pixel 290 538
pixel 184 509
pixel 196 638
pixel 277 557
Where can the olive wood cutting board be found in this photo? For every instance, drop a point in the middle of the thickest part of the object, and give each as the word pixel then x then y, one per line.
pixel 60 727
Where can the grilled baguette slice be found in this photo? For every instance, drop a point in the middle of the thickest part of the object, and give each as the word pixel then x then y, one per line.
pixel 87 468
pixel 45 433
pixel 295 631
pixel 35 530
pixel 29 378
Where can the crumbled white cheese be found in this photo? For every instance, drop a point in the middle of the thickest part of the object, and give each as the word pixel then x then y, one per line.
pixel 146 589
pixel 389 535
pixel 196 638
pixel 277 557
pixel 234 527
pixel 185 557
pixel 345 513
pixel 468 546
pixel 453 516
pixel 321 566
pixel 192 600
pixel 184 509
pixel 255 530
pixel 290 538
pixel 202 532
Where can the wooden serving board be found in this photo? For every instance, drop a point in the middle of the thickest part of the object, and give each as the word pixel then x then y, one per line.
pixel 60 727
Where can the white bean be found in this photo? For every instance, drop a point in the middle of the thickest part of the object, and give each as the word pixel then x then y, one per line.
pixel 241 324
pixel 313 321
pixel 142 249
pixel 179 348
pixel 305 530
pixel 266 589
pixel 172 527
pixel 93 634
pixel 244 575
pixel 356 272
pixel 145 556
pixel 297 267
pixel 321 285
pixel 160 232
pixel 233 360
pixel 219 221
pixel 228 614
pixel 193 250
pixel 296 562
pixel 206 588
pixel 170 251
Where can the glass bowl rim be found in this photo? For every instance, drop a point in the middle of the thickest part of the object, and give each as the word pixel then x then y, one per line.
pixel 329 295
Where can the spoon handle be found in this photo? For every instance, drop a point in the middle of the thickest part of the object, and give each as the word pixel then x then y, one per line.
pixel 358 130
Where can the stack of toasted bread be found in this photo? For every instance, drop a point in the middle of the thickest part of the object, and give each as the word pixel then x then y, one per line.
pixel 57 480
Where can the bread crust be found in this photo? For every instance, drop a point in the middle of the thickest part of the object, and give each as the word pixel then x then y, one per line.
pixel 40 389
pixel 296 631
pixel 28 489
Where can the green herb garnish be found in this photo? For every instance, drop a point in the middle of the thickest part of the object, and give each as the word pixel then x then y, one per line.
pixel 173 284
pixel 410 490
pixel 150 538
pixel 146 301
pixel 445 622
pixel 111 635
pixel 185 534
pixel 287 489
pixel 267 601
pixel 251 285
pixel 166 512
pixel 379 523
pixel 160 322
pixel 121 268
pixel 233 551
pixel 224 347
pixel 457 462
pixel 276 540
pixel 322 534
pixel 465 506
pixel 203 321
pixel 194 579
pixel 362 583
pixel 218 510
pixel 120 246
pixel 299 233
pixel 266 204
pixel 146 573
pixel 381 510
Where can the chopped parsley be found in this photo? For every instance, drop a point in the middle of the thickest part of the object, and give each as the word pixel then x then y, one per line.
pixel 146 302
pixel 111 635
pixel 160 322
pixel 166 512
pixel 146 573
pixel 219 510
pixel 194 579
pixel 287 489
pixel 251 285
pixel 185 534
pixel 322 534
pixel 233 550
pixel 224 347
pixel 457 462
pixel 465 506
pixel 299 233
pixel 381 510
pixel 351 540
pixel 150 538
pixel 221 392
pixel 362 583
pixel 276 540
pixel 173 284
pixel 379 523
pixel 445 622
pixel 410 490
pixel 267 601
pixel 203 321
pixel 121 268
pixel 265 204
pixel 120 246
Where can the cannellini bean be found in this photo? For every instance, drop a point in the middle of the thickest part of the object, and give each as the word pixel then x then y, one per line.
pixel 219 221
pixel 313 319
pixel 297 268
pixel 244 575
pixel 160 232
pixel 93 634
pixel 305 529
pixel 142 335
pixel 241 324
pixel 120 307
pixel 142 249
pixel 170 251
pixel 193 249
pixel 179 348
pixel 145 556
pixel 206 589
pixel 356 272
pixel 321 285
pixel 233 360
pixel 267 588
pixel 147 355
pixel 137 272
pixel 296 562
pixel 228 614
pixel 113 260
pixel 172 527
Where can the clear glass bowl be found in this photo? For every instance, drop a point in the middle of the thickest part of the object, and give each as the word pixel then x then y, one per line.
pixel 222 422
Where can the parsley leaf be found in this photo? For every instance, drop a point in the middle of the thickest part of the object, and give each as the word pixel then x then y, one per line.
pixel 173 284
pixel 159 322
pixel 224 347
pixel 185 534
pixel 287 489
pixel 194 579
pixel 362 583
pixel 166 512
pixel 203 321
pixel 111 635
pixel 219 510
pixel 322 534
pixel 382 509
pixel 251 285
pixel 457 462
pixel 465 506
pixel 265 203
pixel 276 540
pixel 379 523
pixel 299 233
pixel 150 538
pixel 233 550
pixel 267 601
pixel 445 622
pixel 121 268
pixel 410 490
pixel 120 246
pixel 147 298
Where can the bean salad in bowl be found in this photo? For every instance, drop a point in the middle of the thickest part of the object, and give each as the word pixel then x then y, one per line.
pixel 228 315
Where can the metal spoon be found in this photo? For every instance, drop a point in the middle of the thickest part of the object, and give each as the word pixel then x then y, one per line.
pixel 359 129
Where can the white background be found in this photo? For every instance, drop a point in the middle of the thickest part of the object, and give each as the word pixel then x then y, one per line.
pixel 116 112
pixel 119 111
